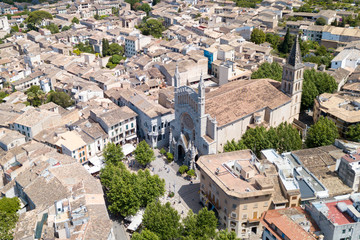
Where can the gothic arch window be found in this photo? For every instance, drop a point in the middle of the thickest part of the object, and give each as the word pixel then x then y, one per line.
pixel 286 72
pixel 296 99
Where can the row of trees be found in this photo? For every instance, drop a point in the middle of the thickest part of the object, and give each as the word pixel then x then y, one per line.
pixel 283 138
pixel 37 97
pixel 162 222
pixel 127 192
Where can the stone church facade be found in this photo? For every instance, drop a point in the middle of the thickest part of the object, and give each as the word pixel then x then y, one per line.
pixel 206 120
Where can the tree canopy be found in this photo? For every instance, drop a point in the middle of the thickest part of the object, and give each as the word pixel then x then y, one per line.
pixel 163 220
pixel 322 133
pixel 267 70
pixel 53 28
pixel 145 235
pixel 353 133
pixel 60 98
pixel 8 217
pixel 144 154
pixel 283 138
pixel 115 49
pixel 153 27
pixel 257 36
pixel 35 96
pixel 75 20
pixel 113 153
pixel 320 21
pixel 144 7
pixel 126 191
pixel 201 226
pixel 36 17
pixel 316 83
pixel 226 235
pixel 286 44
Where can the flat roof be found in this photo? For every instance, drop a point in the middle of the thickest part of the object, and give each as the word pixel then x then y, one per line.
pixel 334 214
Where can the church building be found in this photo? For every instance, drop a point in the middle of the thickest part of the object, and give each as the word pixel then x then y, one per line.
pixel 205 121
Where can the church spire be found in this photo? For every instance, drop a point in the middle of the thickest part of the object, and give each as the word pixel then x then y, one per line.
pixel 294 59
pixel 177 77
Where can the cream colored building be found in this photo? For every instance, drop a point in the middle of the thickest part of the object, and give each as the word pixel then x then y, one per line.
pixel 342 108
pixel 232 184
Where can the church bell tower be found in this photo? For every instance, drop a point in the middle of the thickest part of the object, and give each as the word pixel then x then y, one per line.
pixel 292 79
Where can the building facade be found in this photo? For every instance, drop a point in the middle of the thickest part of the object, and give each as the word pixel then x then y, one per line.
pixel 205 121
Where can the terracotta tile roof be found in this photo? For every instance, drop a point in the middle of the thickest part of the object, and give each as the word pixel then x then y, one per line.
pixel 238 99
pixel 288 221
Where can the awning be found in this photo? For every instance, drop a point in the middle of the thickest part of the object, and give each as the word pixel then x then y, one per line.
pixel 131 137
pixel 127 149
pixel 135 220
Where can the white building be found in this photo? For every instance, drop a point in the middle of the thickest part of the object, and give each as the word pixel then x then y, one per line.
pixel 135 44
pixel 347 58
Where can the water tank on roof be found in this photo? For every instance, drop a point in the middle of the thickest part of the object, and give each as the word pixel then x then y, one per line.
pixel 341 206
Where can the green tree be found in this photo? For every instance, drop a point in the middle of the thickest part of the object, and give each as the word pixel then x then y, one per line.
pixel 3 95
pixel 35 18
pixel 113 153
pixel 14 28
pixel 323 81
pixel 191 173
pixel 320 21
pixel 153 27
pixel 285 45
pixel 105 47
pixel 183 169
pixel 322 133
pixel 145 7
pixel 163 220
pixel 288 138
pixel 256 139
pixel 115 11
pixel 257 36
pixel 273 39
pixel 267 70
pixel 151 187
pixel 123 192
pixel 144 154
pixel 283 138
pixel 231 146
pixel 309 93
pixel 353 133
pixel 53 28
pixel 170 156
pixel 200 226
pixel 60 98
pixel 145 235
pixel 35 96
pixel 75 20
pixel 226 235
pixel 65 28
pixel 8 217
pixel 115 49
pixel 162 151
pixel 97 17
